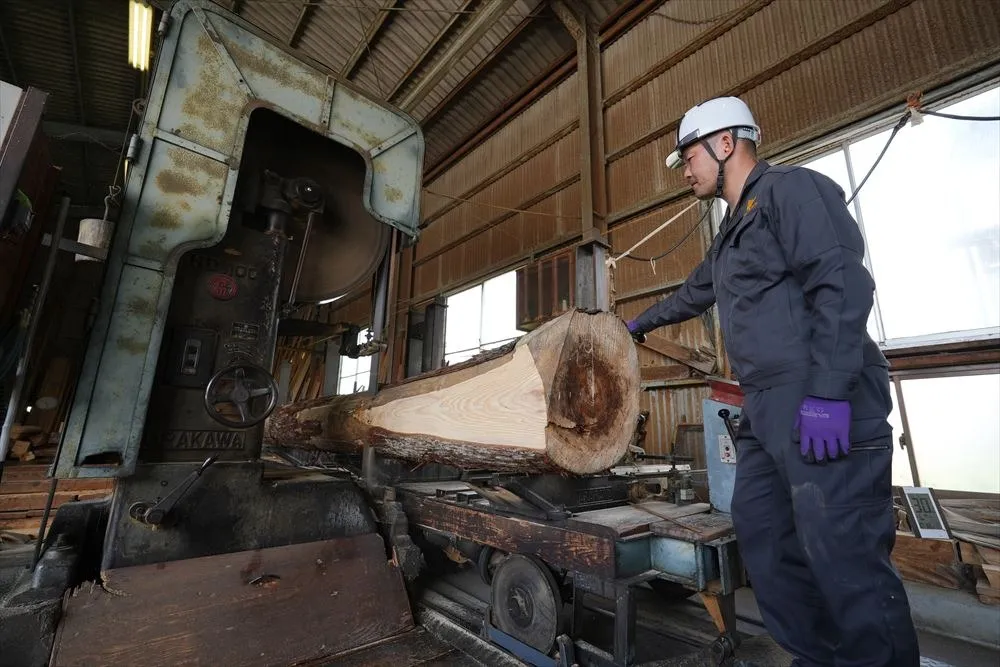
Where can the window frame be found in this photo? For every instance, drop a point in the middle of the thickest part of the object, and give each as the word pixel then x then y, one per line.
pixel 841 140
pixel 512 270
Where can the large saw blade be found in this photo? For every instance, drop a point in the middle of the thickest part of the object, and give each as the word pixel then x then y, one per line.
pixel 526 603
pixel 346 243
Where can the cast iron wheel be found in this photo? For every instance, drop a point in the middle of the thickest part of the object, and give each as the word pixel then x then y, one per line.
pixel 526 603
pixel 247 387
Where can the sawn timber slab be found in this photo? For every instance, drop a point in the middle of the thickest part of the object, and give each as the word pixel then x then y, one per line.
pixel 276 606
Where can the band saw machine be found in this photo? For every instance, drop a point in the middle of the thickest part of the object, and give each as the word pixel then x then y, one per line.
pixel 261 184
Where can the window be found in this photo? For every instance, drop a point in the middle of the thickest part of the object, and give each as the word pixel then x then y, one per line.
pixel 354 372
pixel 930 213
pixel 481 318
pixel 954 432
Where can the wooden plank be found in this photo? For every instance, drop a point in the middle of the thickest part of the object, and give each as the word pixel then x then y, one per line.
pixel 633 519
pixel 700 361
pixel 695 528
pixel 561 547
pixel 42 485
pixel 11 502
pixel 969 553
pixel 988 554
pixel 933 562
pixel 25 471
pixel 282 605
pixel 992 573
pixel 407 650
pixel 654 373
pixel 987 594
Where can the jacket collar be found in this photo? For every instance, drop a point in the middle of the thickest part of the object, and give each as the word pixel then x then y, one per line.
pixel 733 215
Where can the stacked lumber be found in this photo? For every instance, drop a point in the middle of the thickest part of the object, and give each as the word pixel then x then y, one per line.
pixel 934 562
pixel 975 523
pixel 24 491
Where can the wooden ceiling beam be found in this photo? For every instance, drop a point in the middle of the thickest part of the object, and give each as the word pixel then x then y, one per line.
pixel 482 21
pixel 371 33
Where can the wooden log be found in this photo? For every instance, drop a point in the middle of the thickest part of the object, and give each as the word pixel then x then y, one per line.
pixel 563 398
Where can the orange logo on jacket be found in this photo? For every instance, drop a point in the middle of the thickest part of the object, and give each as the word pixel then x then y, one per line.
pixel 751 203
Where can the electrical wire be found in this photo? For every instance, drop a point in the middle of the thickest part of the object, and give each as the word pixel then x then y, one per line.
pixel 710 20
pixel 895 130
pixel 952 116
pixel 687 234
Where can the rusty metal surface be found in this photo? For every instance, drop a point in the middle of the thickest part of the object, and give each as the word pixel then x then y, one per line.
pixel 668 408
pixel 213 70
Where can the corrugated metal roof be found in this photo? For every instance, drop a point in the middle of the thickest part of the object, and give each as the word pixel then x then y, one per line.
pixel 388 46
pixel 38 48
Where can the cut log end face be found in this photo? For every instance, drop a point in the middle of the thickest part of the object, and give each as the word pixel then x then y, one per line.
pixel 594 400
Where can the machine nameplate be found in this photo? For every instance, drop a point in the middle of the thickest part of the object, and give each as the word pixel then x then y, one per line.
pixel 241 352
pixel 245 331
pixel 203 440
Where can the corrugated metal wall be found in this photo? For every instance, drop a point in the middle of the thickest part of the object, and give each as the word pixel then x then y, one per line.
pixel 805 67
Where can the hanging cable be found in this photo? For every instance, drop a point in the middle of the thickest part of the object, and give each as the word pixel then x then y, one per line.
pixel 687 234
pixel 952 116
pixel 895 130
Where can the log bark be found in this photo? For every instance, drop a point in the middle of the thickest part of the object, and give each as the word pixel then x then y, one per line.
pixel 563 398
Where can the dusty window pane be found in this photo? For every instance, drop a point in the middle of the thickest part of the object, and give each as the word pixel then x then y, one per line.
pixel 499 312
pixel 464 319
pixel 935 253
pixel 955 431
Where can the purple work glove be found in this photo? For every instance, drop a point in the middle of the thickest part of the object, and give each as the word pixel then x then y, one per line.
pixel 824 428
pixel 633 328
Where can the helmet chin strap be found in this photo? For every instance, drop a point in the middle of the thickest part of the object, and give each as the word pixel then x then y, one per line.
pixel 722 166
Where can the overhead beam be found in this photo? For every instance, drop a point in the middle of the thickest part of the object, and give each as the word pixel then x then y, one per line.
pixel 81 105
pixel 5 50
pixel 305 13
pixel 471 76
pixel 613 27
pixel 431 48
pixel 593 186
pixel 475 30
pixel 364 45
pixel 77 132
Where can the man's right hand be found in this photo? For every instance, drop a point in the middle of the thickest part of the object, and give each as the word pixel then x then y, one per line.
pixel 633 328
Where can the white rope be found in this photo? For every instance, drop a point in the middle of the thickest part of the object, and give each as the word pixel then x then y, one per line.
pixel 611 261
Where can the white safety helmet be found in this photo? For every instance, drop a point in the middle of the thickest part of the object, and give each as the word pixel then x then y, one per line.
pixel 702 120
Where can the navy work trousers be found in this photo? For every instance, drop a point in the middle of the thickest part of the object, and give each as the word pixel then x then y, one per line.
pixel 816 538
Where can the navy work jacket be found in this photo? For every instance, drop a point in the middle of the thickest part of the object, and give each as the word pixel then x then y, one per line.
pixel 787 271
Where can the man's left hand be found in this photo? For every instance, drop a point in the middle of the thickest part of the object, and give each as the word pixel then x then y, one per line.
pixel 824 428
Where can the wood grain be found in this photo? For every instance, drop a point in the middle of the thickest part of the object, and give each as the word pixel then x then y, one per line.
pixel 634 519
pixel 315 599
pixel 932 562
pixel 703 527
pixel 564 397
pixel 561 547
